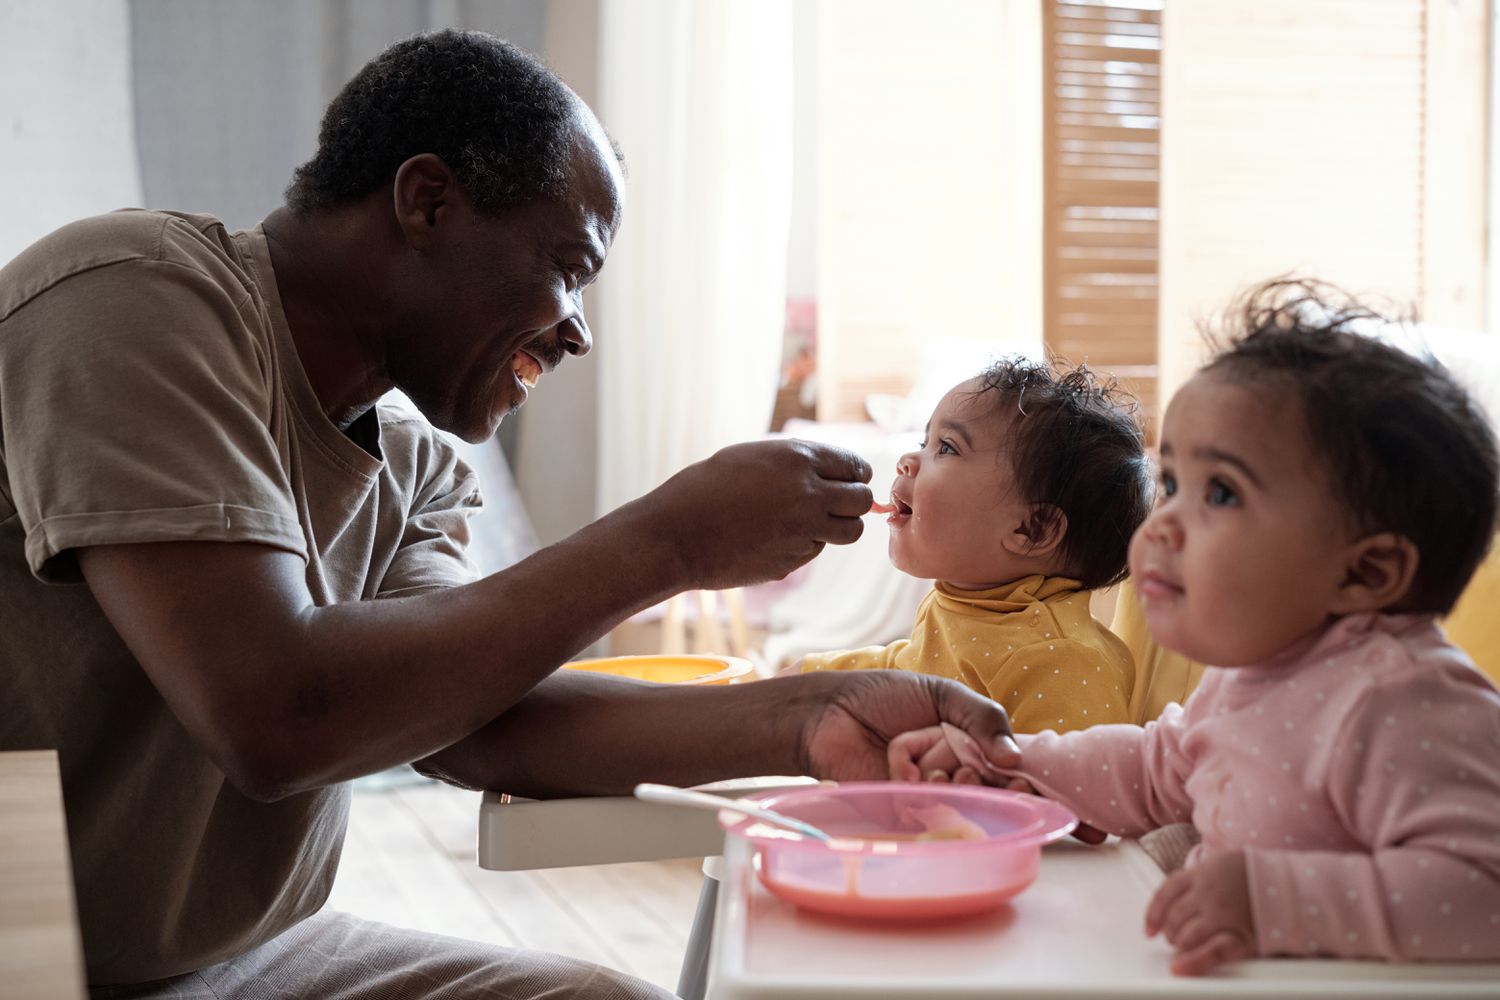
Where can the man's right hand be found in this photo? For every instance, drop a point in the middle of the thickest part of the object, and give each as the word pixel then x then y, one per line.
pixel 756 511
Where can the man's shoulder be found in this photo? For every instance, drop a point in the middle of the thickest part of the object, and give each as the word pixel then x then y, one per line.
pixel 198 241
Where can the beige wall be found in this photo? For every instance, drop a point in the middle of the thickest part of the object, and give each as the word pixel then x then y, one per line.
pixel 1342 139
pixel 929 203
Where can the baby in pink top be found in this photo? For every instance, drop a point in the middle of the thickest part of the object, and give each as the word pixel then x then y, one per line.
pixel 1323 497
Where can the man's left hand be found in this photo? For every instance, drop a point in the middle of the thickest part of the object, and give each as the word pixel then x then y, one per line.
pixel 849 738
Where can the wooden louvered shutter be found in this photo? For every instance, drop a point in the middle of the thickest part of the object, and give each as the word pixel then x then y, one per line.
pixel 1101 126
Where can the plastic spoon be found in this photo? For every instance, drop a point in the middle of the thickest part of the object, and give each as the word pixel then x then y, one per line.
pixel 674 796
pixel 881 508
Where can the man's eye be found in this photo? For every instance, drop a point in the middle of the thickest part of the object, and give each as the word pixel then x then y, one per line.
pixel 1221 495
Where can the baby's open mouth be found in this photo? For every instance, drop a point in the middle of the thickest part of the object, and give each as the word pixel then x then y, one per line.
pixel 902 507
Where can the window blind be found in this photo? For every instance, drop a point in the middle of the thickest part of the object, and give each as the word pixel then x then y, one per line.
pixel 1101 122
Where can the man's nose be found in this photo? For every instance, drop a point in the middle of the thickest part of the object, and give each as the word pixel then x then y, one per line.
pixel 573 334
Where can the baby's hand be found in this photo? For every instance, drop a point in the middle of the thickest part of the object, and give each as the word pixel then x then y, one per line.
pixel 1204 910
pixel 923 755
pixel 940 753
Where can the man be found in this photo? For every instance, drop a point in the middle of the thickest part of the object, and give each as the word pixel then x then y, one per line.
pixel 275 596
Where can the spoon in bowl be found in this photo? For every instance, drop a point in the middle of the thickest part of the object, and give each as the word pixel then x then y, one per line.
pixel 674 796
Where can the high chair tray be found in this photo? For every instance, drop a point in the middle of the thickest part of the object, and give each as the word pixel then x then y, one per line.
pixel 1073 935
pixel 517 834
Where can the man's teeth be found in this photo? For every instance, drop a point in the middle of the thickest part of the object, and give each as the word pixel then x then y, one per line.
pixel 526 368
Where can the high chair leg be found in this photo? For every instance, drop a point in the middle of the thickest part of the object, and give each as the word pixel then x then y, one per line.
pixel 692 981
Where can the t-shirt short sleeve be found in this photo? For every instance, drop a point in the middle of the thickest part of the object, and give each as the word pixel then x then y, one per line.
pixel 135 406
pixel 435 537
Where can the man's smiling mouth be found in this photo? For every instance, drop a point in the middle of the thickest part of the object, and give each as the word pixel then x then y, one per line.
pixel 526 368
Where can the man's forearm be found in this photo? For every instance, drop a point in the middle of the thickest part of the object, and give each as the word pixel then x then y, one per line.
pixel 583 734
pixel 287 696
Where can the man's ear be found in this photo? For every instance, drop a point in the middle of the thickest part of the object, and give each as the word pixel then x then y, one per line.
pixel 1379 571
pixel 1041 533
pixel 423 188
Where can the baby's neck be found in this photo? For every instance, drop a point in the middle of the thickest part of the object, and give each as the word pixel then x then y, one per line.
pixel 1007 583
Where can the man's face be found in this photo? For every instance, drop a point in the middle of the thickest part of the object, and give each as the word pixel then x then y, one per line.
pixel 503 301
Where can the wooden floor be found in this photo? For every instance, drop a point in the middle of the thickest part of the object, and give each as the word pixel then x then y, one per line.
pixel 409 859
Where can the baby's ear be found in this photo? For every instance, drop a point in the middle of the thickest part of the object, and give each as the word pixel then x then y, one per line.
pixel 1042 532
pixel 1379 572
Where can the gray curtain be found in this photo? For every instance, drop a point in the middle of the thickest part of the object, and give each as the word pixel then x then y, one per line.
pixel 228 94
pixel 227 101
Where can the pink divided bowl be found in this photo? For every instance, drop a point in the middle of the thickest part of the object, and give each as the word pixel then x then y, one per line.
pixel 901 851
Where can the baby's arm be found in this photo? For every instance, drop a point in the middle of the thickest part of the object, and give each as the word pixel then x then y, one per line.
pixel 1416 779
pixel 1121 779
pixel 864 658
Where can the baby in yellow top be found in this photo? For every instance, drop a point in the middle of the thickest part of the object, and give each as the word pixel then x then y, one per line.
pixel 1021 500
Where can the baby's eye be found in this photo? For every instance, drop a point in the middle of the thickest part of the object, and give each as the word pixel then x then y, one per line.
pixel 1168 484
pixel 944 448
pixel 1221 495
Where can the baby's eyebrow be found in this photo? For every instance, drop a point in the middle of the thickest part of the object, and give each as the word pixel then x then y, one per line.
pixel 1228 458
pixel 958 429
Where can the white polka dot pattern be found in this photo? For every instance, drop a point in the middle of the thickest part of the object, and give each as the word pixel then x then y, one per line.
pixel 1366 795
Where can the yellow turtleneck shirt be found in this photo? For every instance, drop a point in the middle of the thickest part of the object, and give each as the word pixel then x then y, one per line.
pixel 1031 645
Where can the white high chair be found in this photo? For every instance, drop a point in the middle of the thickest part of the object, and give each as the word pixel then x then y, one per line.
pixel 518 834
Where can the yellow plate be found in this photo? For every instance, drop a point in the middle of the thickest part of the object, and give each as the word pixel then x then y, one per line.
pixel 671 669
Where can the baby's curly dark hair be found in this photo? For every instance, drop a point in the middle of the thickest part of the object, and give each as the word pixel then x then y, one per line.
pixel 1076 445
pixel 499 118
pixel 1404 446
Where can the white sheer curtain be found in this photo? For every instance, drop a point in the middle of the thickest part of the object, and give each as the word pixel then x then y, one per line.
pixel 691 308
pixel 66 127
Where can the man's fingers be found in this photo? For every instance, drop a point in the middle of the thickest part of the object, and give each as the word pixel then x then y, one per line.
pixel 981 720
pixel 832 462
pixel 841 530
pixel 1173 889
pixel 814 549
pixel 849 499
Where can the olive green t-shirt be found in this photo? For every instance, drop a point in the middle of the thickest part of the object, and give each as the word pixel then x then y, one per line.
pixel 150 390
